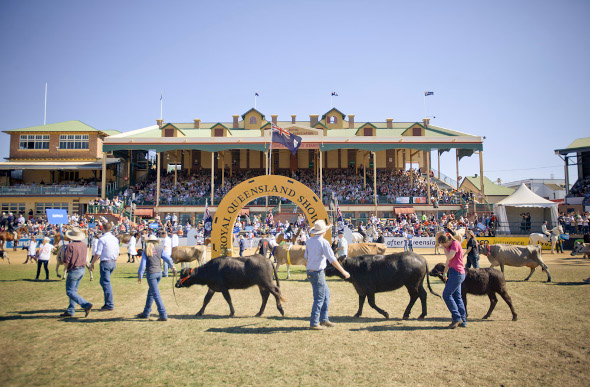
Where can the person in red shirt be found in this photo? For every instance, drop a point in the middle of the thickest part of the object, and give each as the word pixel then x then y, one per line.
pixel 454 274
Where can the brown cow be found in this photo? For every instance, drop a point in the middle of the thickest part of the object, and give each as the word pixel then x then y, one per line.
pixel 517 256
pixel 293 256
pixel 186 254
pixel 358 249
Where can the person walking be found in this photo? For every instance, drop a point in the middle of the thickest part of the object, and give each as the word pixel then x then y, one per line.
pixel 75 262
pixel 317 251
pixel 32 250
pixel 43 259
pixel 472 251
pixel 150 260
pixel 342 249
pixel 107 250
pixel 132 248
pixel 166 253
pixel 242 245
pixel 454 273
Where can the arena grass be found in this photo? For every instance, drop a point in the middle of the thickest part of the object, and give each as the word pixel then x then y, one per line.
pixel 548 345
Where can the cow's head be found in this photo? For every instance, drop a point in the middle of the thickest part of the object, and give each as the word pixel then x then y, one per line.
pixel 184 281
pixel 438 270
pixel 331 271
pixel 577 248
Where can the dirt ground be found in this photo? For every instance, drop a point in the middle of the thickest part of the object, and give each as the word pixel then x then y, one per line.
pixel 548 345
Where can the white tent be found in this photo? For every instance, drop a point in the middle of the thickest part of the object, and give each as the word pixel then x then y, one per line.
pixel 522 198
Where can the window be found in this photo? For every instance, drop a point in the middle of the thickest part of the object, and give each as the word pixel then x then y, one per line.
pixel 69 175
pixel 218 132
pixel 368 131
pixel 168 132
pixel 34 141
pixel 253 120
pixel 41 207
pixel 416 131
pixel 15 208
pixel 332 120
pixel 73 141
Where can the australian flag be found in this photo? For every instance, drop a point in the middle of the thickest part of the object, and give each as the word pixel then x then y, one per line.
pixel 339 215
pixel 427 93
pixel 282 136
pixel 208 220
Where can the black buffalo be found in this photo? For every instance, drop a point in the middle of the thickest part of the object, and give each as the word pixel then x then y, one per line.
pixel 479 282
pixel 370 274
pixel 222 274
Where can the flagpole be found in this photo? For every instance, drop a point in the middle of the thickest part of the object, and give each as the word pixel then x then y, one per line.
pixel 331 101
pixel 45 108
pixel 424 104
pixel 254 101
pixel 161 103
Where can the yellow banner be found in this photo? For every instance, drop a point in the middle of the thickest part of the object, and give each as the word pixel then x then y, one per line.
pixel 520 241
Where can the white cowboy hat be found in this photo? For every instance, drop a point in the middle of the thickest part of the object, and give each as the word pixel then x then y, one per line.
pixel 153 238
pixel 75 234
pixel 319 227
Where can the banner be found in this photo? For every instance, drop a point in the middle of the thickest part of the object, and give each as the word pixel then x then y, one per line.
pixel 402 200
pixel 518 241
pixel 417 242
pixel 57 216
pixel 419 200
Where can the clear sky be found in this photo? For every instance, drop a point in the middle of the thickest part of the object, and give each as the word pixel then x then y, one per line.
pixel 514 71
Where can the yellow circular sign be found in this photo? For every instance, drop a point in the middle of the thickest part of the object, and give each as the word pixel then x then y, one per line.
pixel 260 186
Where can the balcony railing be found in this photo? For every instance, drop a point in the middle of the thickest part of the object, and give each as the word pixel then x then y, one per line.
pixel 39 190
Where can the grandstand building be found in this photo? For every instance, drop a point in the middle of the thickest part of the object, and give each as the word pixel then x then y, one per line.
pixel 579 193
pixel 331 141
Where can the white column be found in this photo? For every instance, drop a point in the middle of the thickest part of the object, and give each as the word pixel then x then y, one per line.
pixel 427 161
pixel 212 174
pixel 103 191
pixel 375 180
pixel 482 190
pixel 158 181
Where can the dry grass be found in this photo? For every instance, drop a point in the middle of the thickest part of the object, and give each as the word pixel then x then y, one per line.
pixel 547 346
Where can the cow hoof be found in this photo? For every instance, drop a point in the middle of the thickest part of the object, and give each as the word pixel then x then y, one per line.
pixel 358 315
pixel 231 315
pixel 514 318
pixel 485 317
pixel 199 314
pixel 421 317
pixel 526 279
pixel 406 318
pixel 386 315
pixel 258 315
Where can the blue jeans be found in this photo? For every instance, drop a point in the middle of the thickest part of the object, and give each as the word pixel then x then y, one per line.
pixel 452 295
pixel 321 297
pixel 154 295
pixel 165 267
pixel 106 268
pixel 72 283
pixel 472 261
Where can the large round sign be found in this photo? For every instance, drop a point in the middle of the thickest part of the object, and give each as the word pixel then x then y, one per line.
pixel 260 186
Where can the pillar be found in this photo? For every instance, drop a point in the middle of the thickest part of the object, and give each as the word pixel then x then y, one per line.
pixel 482 190
pixel 158 167
pixel 427 161
pixel 457 160
pixel 375 181
pixel 103 191
pixel 567 176
pixel 321 175
pixel 212 175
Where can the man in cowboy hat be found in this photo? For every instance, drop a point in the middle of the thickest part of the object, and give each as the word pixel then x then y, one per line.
pixel 75 262
pixel 317 251
pixel 107 250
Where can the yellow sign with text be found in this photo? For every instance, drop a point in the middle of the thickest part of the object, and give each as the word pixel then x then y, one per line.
pixel 520 241
pixel 260 186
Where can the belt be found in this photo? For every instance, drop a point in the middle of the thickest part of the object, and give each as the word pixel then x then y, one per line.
pixel 78 267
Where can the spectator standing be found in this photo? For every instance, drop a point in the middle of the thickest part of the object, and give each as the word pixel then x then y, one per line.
pixel 32 250
pixel 43 259
pixel 166 253
pixel 342 249
pixel 472 251
pixel 132 247
pixel 241 245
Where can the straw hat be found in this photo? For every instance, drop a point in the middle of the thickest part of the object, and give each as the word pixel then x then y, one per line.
pixel 153 238
pixel 319 227
pixel 75 234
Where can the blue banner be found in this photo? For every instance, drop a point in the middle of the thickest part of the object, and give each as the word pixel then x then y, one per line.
pixel 154 225
pixel 57 216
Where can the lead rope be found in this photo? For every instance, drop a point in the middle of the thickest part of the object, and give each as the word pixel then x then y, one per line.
pixel 173 283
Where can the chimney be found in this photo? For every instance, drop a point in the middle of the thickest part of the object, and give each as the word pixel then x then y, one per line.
pixel 293 118
pixel 313 119
pixel 236 117
pixel 426 122
pixel 389 123
pixel 197 124
pixel 160 123
pixel 351 121
pixel 273 117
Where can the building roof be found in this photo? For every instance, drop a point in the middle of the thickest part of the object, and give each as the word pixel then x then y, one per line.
pixel 56 165
pixel 491 188
pixel 111 132
pixel 579 145
pixel 65 126
pixel 554 187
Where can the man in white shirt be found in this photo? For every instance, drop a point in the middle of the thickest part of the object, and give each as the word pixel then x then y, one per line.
pixel 107 249
pixel 166 253
pixel 342 249
pixel 32 250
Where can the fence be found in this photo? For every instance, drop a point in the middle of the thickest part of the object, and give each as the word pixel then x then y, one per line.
pixel 41 190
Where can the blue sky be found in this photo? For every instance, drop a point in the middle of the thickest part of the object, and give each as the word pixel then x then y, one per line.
pixel 513 71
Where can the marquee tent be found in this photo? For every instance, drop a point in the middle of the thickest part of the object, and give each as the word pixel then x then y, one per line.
pixel 509 209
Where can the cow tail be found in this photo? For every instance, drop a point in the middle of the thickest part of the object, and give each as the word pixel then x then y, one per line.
pixel 428 282
pixel 274 269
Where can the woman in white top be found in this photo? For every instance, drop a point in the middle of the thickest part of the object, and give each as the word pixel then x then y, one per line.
pixel 43 260
pixel 132 248
pixel 32 250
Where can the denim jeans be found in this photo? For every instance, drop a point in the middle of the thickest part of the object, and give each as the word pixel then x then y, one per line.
pixel 106 268
pixel 472 261
pixel 72 283
pixel 154 295
pixel 165 268
pixel 321 297
pixel 452 295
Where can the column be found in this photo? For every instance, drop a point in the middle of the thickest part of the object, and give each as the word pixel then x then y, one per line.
pixel 457 160
pixel 427 161
pixel 567 176
pixel 438 163
pixel 103 190
pixel 158 161
pixel 212 174
pixel 375 180
pixel 482 190
pixel 321 175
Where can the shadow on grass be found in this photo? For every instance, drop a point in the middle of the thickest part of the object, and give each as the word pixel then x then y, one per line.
pixel 398 328
pixel 248 330
pixel 205 317
pixel 568 283
pixel 31 280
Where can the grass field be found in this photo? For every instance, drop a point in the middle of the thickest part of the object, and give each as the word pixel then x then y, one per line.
pixel 548 345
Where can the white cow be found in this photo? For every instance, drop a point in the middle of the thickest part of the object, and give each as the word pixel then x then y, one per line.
pixel 535 238
pixel 581 248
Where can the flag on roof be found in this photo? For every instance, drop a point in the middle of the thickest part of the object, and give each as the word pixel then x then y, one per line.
pixel 256 95
pixel 208 217
pixel 334 94
pixel 427 93
pixel 339 217
pixel 284 137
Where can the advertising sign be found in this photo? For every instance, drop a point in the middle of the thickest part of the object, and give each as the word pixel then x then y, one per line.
pixel 419 200
pixel 57 216
pixel 402 200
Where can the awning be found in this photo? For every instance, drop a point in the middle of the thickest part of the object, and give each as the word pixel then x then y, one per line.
pixel 149 212
pixel 57 165
pixel 403 210
pixel 245 211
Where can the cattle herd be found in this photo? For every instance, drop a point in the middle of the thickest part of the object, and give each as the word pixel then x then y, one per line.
pixel 371 271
